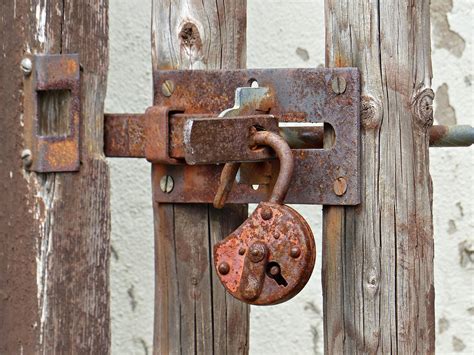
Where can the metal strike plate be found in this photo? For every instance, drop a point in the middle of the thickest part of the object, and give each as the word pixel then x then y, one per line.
pixel 52 112
pixel 322 176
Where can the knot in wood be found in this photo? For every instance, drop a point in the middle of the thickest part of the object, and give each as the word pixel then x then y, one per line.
pixel 189 36
pixel 423 108
pixel 370 114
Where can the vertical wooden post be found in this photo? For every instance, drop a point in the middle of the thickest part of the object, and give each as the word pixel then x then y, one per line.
pixel 378 257
pixel 54 228
pixel 193 313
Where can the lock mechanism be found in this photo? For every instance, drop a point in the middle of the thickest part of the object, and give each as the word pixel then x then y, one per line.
pixel 202 151
pixel 271 256
pixel 190 134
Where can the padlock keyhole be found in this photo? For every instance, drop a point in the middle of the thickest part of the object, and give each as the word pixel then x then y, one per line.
pixel 273 271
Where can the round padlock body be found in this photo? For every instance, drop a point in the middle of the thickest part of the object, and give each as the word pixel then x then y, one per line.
pixel 269 258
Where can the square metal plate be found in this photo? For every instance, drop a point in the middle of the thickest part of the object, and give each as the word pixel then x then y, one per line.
pixel 322 176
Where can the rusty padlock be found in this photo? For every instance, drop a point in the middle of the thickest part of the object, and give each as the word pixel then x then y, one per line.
pixel 271 256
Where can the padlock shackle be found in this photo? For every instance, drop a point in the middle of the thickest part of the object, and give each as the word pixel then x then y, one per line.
pixel 284 154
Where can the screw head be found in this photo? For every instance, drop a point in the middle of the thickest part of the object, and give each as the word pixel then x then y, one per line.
pixel 295 252
pixel 167 184
pixel 266 213
pixel 27 158
pixel 26 66
pixel 223 268
pixel 167 88
pixel 340 186
pixel 338 85
pixel 241 251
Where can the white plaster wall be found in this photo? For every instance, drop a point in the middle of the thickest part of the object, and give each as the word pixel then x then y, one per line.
pixel 291 34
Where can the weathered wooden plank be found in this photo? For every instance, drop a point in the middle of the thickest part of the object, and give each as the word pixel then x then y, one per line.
pixel 378 257
pixel 192 312
pixel 231 329
pixel 54 228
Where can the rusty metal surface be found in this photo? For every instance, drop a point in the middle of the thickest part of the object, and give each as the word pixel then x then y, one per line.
pixel 259 140
pixel 229 172
pixel 52 151
pixel 124 136
pixel 157 131
pixel 213 141
pixel 269 258
pixel 295 95
pixel 285 157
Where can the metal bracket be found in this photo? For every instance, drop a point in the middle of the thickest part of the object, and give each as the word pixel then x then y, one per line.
pixel 322 176
pixel 51 112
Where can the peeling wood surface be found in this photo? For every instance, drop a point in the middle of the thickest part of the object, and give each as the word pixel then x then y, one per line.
pixel 378 257
pixel 54 228
pixel 193 314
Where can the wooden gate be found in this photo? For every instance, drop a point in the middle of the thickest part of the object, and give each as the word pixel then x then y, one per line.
pixel 55 227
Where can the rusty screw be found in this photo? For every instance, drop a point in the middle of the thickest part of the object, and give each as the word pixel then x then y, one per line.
pixel 224 268
pixel 339 85
pixel 340 186
pixel 241 251
pixel 167 184
pixel 257 252
pixel 26 66
pixel 295 252
pixel 167 88
pixel 266 213
pixel 27 158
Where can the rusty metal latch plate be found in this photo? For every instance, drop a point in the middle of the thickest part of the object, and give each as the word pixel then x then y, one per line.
pixel 322 176
pixel 52 112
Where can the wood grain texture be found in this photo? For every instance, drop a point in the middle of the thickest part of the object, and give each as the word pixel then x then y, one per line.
pixel 54 228
pixel 378 257
pixel 193 313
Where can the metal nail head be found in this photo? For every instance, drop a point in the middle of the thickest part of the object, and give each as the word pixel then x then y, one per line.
pixel 224 268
